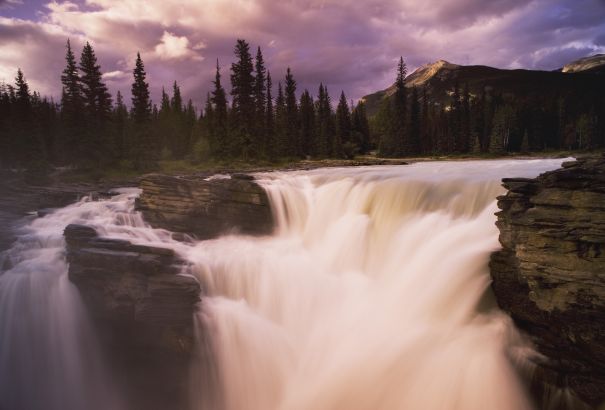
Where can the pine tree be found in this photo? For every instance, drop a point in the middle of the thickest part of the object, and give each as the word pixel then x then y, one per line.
pixel 6 139
pixel 243 93
pixel 27 147
pixel 260 104
pixel 141 104
pixel 414 133
pixel 307 123
pixel 401 142
pixel 343 126
pixel 72 107
pixel 324 118
pixel 426 144
pixel 208 120
pixel 394 140
pixel 97 106
pixel 292 135
pixel 176 102
pixel 164 127
pixel 178 124
pixel 281 124
pixel 219 144
pixel 120 123
pixel 269 148
pixel 144 148
pixel 361 127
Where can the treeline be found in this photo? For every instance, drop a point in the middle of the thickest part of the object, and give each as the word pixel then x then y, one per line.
pixel 410 122
pixel 89 129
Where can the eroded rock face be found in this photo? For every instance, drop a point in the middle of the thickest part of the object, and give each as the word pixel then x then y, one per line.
pixel 144 311
pixel 550 273
pixel 205 208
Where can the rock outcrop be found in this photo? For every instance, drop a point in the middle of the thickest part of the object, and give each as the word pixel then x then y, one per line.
pixel 550 273
pixel 205 208
pixel 144 311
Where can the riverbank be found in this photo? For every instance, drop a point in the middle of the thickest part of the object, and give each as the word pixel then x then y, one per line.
pixel 21 196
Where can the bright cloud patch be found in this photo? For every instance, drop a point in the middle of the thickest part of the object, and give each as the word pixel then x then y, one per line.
pixel 175 47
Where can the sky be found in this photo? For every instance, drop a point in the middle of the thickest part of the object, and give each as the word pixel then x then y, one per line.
pixel 349 45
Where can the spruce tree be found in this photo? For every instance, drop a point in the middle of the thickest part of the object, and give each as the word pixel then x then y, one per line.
pixel 243 108
pixel 164 127
pixel 72 107
pixel 324 118
pixel 260 104
pixel 178 124
pixel 292 134
pixel 343 126
pixel 281 124
pixel 307 123
pixel 141 104
pixel 219 143
pixel 394 140
pixel 208 120
pixel 120 123
pixel 144 146
pixel 401 144
pixel 6 139
pixel 269 148
pixel 95 147
pixel 414 133
pixel 426 145
pixel 27 147
pixel 361 128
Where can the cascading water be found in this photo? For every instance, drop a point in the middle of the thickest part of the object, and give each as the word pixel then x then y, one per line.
pixel 49 356
pixel 371 294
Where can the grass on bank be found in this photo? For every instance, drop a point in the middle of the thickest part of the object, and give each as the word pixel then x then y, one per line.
pixel 126 172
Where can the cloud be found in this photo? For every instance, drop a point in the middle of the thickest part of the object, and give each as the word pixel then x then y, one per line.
pixel 349 45
pixel 7 4
pixel 176 47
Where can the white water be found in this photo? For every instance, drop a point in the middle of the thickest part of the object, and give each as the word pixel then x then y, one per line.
pixel 370 295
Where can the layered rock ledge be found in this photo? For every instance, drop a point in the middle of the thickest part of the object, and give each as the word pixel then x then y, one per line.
pixel 143 309
pixel 550 273
pixel 205 207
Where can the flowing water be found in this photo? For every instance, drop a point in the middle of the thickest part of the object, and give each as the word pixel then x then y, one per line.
pixel 373 293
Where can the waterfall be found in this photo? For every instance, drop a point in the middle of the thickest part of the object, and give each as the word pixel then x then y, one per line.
pixel 50 358
pixel 372 293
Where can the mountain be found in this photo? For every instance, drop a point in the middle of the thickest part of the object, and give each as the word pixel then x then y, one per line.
pixel 596 62
pixel 575 80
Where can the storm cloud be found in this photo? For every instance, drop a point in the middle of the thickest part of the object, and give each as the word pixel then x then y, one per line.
pixel 348 45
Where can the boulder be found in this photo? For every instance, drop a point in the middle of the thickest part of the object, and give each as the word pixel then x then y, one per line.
pixel 550 273
pixel 144 310
pixel 205 207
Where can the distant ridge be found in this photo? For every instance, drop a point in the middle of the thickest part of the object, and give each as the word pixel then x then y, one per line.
pixel 585 64
pixel 439 79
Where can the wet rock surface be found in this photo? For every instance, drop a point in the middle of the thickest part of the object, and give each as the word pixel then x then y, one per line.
pixel 205 208
pixel 143 308
pixel 550 273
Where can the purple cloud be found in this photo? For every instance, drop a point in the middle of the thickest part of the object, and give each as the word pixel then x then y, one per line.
pixel 347 44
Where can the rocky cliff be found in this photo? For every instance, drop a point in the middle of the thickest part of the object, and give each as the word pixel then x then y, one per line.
pixel 143 308
pixel 205 207
pixel 550 273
